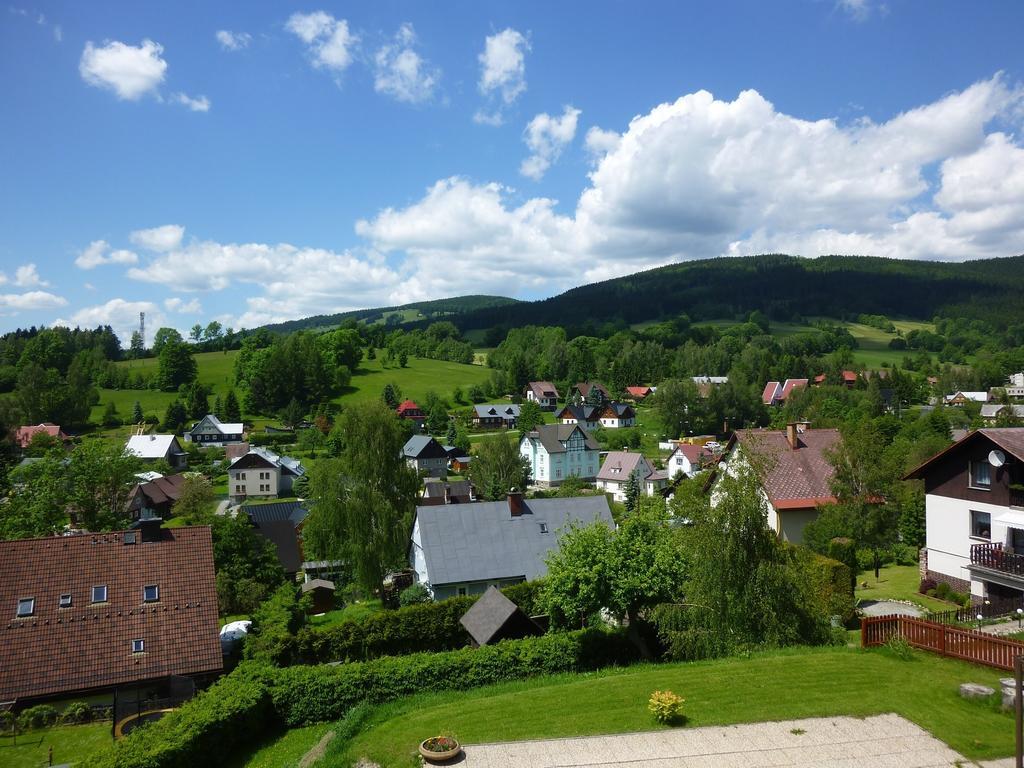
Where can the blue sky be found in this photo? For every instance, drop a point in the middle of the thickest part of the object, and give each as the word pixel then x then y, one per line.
pixel 255 162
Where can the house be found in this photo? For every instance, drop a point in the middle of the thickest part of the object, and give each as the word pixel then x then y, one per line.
pixel 793 469
pixel 991 411
pixel 409 410
pixel 212 431
pixel 321 593
pixel 156 497
pixel 23 437
pixel 556 451
pixel 688 460
pixel 592 392
pixel 584 415
pixel 610 415
pixel 261 473
pixel 235 451
pixel 543 393
pixel 494 618
pixel 1015 385
pixel 706 383
pixel 617 468
pixel 427 456
pixel 959 399
pixel 86 614
pixel 281 525
pixel 496 416
pixel 639 393
pixel 462 549
pixel 776 393
pixel 436 492
pixel 157 447
pixel 848 379
pixel 974 511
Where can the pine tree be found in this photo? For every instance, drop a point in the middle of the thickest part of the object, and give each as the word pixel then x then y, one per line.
pixel 391 396
pixel 452 435
pixel 632 492
pixel 218 407
pixel 232 411
pixel 137 415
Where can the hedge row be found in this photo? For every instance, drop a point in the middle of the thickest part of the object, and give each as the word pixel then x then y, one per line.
pixel 256 697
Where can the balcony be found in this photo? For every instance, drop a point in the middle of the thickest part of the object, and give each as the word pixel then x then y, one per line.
pixel 995 558
pixel 1016 496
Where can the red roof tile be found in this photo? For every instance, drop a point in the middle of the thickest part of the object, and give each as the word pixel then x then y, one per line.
pixel 793 478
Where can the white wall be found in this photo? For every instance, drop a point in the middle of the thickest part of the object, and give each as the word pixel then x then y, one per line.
pixel 948 535
pixel 416 559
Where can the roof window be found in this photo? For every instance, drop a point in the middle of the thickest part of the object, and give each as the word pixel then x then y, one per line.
pixel 26 607
pixel 99 593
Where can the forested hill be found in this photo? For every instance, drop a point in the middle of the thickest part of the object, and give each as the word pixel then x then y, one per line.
pixel 438 309
pixel 784 288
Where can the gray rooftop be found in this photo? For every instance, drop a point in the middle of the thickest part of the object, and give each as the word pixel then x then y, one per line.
pixel 553 437
pixel 476 542
pixel 491 410
pixel 422 447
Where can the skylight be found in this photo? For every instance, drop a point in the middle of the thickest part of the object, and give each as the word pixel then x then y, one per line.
pixel 26 606
pixel 99 594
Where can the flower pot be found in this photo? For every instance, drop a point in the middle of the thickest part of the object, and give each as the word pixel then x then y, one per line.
pixel 434 756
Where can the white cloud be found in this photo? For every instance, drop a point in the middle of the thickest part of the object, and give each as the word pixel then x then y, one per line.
pixel 30 300
pixel 600 142
pixel 328 40
pixel 400 72
pixel 861 10
pixel 130 72
pixel 165 238
pixel 98 253
pixel 546 137
pixel 483 117
pixel 233 41
pixel 121 315
pixel 196 104
pixel 190 307
pixel 26 276
pixel 503 64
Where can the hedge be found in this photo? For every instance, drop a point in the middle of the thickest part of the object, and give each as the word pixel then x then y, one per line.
pixel 831 583
pixel 257 697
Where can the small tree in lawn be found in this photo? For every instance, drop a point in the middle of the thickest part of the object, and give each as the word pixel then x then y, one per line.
pixel 232 410
pixel 530 415
pixel 110 415
pixel 403 359
pixel 193 505
pixel 292 413
pixel 391 396
pixel 632 491
pixel 451 436
pixel 137 415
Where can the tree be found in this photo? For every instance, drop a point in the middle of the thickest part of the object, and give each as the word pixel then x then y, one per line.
pixel 175 417
pixel 679 407
pixel 498 467
pixel 530 415
pixel 392 396
pixel 403 359
pixel 437 421
pixel 176 366
pixel 213 332
pixel 246 563
pixel 293 414
pixel 110 415
pixel 137 416
pixel 232 412
pixel 364 499
pixel 451 436
pixel 137 347
pixel 100 476
pixel 632 491
pixel 218 408
pixel 196 333
pixel 194 504
pixel 197 400
pixel 164 336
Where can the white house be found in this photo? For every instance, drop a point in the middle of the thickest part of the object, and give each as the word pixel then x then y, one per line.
pixel 155 447
pixel 427 456
pixel 212 431
pixel 974 507
pixel 556 451
pixel 687 459
pixel 620 465
pixel 1015 385
pixel 957 399
pixel 543 393
pixel 262 474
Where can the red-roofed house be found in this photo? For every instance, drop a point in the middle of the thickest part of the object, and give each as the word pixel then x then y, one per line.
pixel 688 459
pixel 25 434
pixel 543 393
pixel 794 471
pixel 849 379
pixel 85 614
pixel 617 468
pixel 409 410
pixel 639 393
pixel 776 393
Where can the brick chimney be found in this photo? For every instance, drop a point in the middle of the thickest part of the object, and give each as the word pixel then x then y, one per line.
pixel 791 436
pixel 515 503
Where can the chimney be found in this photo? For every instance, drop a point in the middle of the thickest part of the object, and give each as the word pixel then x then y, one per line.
pixel 151 528
pixel 515 503
pixel 791 435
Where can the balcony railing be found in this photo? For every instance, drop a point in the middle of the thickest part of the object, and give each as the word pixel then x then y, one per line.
pixel 998 559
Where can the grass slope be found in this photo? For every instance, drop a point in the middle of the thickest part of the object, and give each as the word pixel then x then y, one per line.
pixel 794 683
pixel 71 744
pixel 897 582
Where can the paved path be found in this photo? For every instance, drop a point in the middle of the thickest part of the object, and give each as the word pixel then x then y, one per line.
pixel 888 608
pixel 884 741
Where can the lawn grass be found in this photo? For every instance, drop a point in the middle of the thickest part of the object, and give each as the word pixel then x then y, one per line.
pixel 351 612
pixel 781 685
pixel 420 376
pixel 285 750
pixel 897 582
pixel 71 744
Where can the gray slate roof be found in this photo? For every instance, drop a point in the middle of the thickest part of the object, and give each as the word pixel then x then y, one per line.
pixel 293 511
pixel 491 411
pixel 552 436
pixel 481 541
pixel 423 447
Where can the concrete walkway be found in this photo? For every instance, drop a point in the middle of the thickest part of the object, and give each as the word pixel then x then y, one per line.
pixel 888 608
pixel 884 741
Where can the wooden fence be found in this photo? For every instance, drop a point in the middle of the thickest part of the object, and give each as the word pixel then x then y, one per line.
pixel 952 642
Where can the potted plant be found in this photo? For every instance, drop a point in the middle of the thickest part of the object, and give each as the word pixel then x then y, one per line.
pixel 437 749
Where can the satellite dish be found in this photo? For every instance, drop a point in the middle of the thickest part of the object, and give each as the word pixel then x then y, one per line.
pixel 996 458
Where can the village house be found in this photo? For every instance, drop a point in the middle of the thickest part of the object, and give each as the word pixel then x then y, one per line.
pixel 847 379
pixel 212 431
pixel 793 470
pixel 156 448
pixel 261 473
pixel 462 549
pixel 592 392
pixel 1015 385
pixel 705 384
pixel 410 411
pixel 281 524
pixel 543 393
pixel 637 394
pixel 974 508
pixel 438 492
pixel 609 415
pixel 89 613
pixel 556 451
pixel 23 437
pixel 617 468
pixel 155 497
pixel 687 460
pixel 990 412
pixel 503 416
pixel 960 399
pixel 427 456
pixel 776 393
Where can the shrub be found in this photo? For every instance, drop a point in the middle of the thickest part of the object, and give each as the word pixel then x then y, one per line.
pixel 76 712
pixel 414 595
pixel 40 716
pixel 904 554
pixel 900 648
pixel 683 634
pixel 942 590
pixel 6 720
pixel 927 584
pixel 271 637
pixel 665 706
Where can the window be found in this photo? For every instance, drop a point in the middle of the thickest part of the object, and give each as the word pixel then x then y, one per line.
pixel 138 646
pixel 981 525
pixel 151 593
pixel 981 476
pixel 65 601
pixel 543 527
pixel 99 594
pixel 26 606
pixel 462 591
pixel 241 476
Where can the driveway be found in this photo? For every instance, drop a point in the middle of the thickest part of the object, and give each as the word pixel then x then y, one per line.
pixel 888 608
pixel 883 741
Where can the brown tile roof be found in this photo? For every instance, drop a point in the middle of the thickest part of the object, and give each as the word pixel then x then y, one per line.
pixel 619 465
pixel 543 389
pixel 162 490
pixel 89 646
pixel 793 479
pixel 1010 439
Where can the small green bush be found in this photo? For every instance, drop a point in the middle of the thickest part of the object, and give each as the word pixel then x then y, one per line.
pixel 76 712
pixel 40 716
pixel 665 706
pixel 900 648
pixel 942 590
pixel 414 595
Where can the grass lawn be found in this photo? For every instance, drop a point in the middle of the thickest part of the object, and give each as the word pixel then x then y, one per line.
pixel 897 582
pixel 71 744
pixel 351 612
pixel 283 750
pixel 794 683
pixel 415 380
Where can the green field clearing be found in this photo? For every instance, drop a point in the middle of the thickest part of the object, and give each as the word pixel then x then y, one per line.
pixel 285 750
pixel 897 582
pixel 794 683
pixel 71 744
